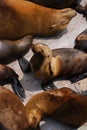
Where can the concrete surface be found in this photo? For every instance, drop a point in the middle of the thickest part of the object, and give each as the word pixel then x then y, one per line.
pixel 32 85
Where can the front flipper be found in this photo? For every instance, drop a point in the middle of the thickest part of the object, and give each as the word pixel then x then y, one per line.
pixel 24 65
pixel 48 85
pixel 18 89
pixel 78 77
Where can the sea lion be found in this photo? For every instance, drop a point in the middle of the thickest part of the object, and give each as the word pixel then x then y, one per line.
pixel 9 76
pixel 19 18
pixel 66 63
pixel 81 41
pixel 63 104
pixel 11 50
pixel 61 4
pixel 12 112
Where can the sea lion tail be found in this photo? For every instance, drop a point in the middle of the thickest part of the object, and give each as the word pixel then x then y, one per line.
pixel 17 87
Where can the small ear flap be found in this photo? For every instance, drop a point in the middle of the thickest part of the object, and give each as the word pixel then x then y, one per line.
pixel 61 22
pixel 52 27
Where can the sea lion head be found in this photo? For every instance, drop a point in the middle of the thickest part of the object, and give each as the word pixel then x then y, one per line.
pixel 61 22
pixel 41 59
pixel 68 13
pixel 42 49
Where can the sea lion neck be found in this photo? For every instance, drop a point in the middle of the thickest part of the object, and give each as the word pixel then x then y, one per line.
pixel 55 66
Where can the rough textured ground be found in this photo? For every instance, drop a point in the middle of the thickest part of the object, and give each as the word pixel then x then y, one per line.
pixel 32 85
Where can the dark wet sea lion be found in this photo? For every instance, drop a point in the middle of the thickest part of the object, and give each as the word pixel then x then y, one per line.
pixel 49 64
pixel 9 76
pixel 19 18
pixel 61 4
pixel 63 104
pixel 58 4
pixel 81 41
pixel 11 50
pixel 12 112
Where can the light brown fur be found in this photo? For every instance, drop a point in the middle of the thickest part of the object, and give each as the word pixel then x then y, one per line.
pixel 12 50
pixel 62 104
pixel 19 18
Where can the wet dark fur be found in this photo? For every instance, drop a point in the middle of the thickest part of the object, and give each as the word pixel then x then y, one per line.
pixel 81 41
pixel 60 4
pixel 12 112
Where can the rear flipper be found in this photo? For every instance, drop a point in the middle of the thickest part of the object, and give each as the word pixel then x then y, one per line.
pixel 48 85
pixel 18 89
pixel 24 65
pixel 84 93
pixel 78 77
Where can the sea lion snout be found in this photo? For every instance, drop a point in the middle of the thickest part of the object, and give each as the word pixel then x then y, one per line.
pixel 69 13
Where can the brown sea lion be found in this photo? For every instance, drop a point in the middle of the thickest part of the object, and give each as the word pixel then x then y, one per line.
pixel 61 4
pixel 19 18
pixel 81 41
pixel 12 112
pixel 49 64
pixel 63 104
pixel 9 76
